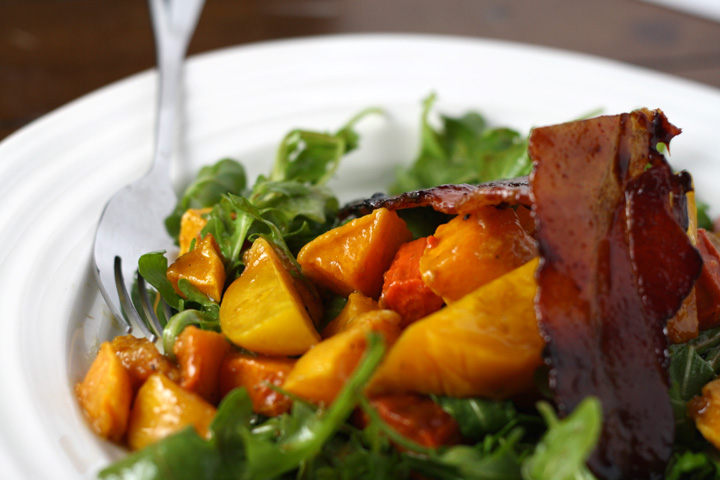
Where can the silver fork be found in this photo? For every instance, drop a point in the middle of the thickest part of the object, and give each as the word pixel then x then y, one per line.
pixel 132 223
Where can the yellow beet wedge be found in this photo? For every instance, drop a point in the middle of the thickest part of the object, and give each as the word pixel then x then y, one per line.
pixel 485 344
pixel 162 408
pixel 320 374
pixel 354 256
pixel 357 304
pixel 261 310
pixel 202 267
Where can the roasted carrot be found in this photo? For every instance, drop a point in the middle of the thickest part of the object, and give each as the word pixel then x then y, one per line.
pixel 404 290
pixel 199 354
pixel 255 373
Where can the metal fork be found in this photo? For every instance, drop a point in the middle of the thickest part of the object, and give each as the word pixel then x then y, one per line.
pixel 132 223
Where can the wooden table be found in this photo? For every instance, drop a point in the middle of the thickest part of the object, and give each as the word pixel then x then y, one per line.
pixel 52 51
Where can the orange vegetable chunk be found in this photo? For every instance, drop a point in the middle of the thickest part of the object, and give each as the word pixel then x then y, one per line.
pixel 320 374
pixel 200 354
pixel 191 224
pixel 106 394
pixel 404 290
pixel 418 418
pixel 486 344
pixel 141 358
pixel 262 311
pixel 254 373
pixel 354 256
pixel 202 267
pixel 162 408
pixel 474 249
pixel 705 411
pixel 357 304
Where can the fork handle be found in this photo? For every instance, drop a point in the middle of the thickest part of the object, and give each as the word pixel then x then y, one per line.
pixel 173 24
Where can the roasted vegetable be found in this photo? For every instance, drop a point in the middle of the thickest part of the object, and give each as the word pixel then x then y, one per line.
pixel 141 358
pixel 255 374
pixel 202 267
pixel 404 290
pixel 191 224
pixel 162 408
pixel 320 374
pixel 356 304
pixel 474 249
pixel 199 354
pixel 354 256
pixel 106 394
pixel 486 344
pixel 262 311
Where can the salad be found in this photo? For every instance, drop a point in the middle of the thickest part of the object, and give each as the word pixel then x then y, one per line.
pixel 516 307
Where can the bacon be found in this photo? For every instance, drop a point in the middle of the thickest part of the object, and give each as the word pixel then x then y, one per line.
pixel 451 199
pixel 616 264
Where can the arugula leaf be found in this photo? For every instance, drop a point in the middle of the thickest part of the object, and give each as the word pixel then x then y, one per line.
pixel 179 321
pixel 562 452
pixel 463 150
pixel 693 466
pixel 153 268
pixel 211 183
pixel 478 417
pixel 703 217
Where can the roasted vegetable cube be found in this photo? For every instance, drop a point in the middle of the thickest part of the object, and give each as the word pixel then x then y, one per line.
pixel 320 374
pixel 200 354
pixel 354 256
pixel 357 304
pixel 106 394
pixel 202 267
pixel 262 311
pixel 474 249
pixel 255 373
pixel 191 224
pixel 141 358
pixel 162 408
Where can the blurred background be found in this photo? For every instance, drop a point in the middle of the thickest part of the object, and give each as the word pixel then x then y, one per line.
pixel 53 51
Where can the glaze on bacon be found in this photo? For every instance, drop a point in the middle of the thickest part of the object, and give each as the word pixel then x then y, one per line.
pixel 616 265
pixel 451 199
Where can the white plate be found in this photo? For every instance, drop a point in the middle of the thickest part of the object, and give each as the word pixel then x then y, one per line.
pixel 56 175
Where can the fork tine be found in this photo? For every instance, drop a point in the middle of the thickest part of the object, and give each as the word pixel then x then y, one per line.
pixel 148 310
pixel 128 309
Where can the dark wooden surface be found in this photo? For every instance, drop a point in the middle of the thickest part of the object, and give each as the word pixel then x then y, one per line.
pixel 53 51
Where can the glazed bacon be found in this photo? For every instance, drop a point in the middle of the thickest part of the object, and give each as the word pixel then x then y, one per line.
pixel 451 199
pixel 616 265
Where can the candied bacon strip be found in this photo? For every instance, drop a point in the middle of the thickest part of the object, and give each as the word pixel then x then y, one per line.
pixel 616 264
pixel 450 199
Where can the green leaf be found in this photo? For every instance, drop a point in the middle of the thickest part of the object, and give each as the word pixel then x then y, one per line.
pixel 179 321
pixel 478 417
pixel 693 466
pixel 153 268
pixel 703 217
pixel 562 452
pixel 213 181
pixel 463 150
pixel 182 456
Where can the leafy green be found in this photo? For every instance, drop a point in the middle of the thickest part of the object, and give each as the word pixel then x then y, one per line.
pixel 694 466
pixel 463 150
pixel 703 216
pixel 478 417
pixel 211 183
pixel 562 452
pixel 153 268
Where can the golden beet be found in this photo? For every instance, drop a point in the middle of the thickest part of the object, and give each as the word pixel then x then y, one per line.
pixel 705 410
pixel 141 358
pixel 320 374
pixel 202 267
pixel 474 249
pixel 486 344
pixel 354 256
pixel 357 304
pixel 106 394
pixel 262 311
pixel 162 408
